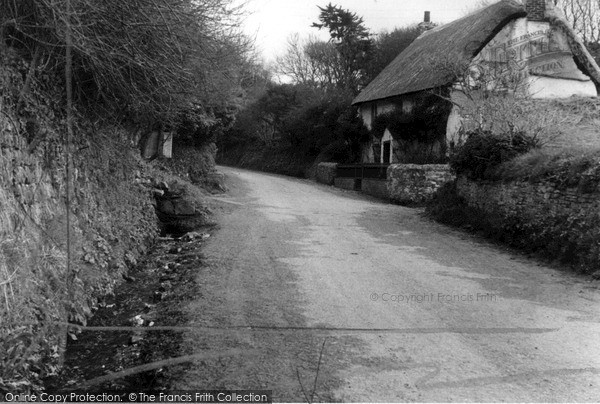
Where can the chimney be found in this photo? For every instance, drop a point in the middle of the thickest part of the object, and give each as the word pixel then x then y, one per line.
pixel 536 10
pixel 426 25
pixel 427 17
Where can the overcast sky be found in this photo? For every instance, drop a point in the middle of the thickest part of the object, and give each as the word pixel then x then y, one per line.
pixel 272 21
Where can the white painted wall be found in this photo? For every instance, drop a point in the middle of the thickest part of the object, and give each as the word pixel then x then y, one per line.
pixel 387 137
pixel 367 154
pixel 454 126
pixel 546 87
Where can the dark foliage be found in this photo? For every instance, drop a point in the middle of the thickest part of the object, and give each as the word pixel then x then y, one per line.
pixel 424 123
pixel 483 152
pixel 303 119
pixel 353 42
pixel 315 125
pixel 297 124
pixel 388 45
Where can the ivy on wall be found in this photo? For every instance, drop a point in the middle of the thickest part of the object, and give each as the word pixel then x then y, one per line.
pixel 425 122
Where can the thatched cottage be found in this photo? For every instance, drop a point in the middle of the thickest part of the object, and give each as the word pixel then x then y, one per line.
pixel 531 41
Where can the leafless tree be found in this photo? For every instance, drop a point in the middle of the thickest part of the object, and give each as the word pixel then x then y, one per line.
pixel 496 98
pixel 584 16
pixel 310 61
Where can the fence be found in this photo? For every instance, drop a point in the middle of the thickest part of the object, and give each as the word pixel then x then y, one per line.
pixel 360 171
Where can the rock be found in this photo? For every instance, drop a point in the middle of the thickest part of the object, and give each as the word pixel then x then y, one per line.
pixel 135 339
pixel 158 192
pixel 128 278
pixel 192 236
pixel 138 320
pixel 165 286
pixel 177 213
pixel 183 207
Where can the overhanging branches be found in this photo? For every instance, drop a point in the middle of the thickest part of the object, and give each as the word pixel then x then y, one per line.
pixel 149 58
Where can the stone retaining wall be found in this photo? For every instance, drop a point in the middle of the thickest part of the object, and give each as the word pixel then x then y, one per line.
pixel 416 184
pixel 526 199
pixel 561 222
pixel 326 173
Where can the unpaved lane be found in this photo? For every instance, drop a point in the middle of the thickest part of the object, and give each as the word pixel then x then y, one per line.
pixel 402 309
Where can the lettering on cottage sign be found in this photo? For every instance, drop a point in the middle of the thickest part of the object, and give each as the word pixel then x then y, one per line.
pixel 544 52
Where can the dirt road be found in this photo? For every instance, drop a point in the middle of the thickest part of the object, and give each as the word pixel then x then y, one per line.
pixel 335 296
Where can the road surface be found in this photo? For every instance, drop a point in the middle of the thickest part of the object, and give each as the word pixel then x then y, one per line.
pixel 335 296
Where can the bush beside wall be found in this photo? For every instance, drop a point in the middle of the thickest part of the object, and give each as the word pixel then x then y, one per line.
pixel 269 158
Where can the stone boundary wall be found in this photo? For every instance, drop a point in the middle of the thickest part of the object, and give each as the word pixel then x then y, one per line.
pixel 410 184
pixel 414 183
pixel 562 222
pixel 526 200
pixel 326 173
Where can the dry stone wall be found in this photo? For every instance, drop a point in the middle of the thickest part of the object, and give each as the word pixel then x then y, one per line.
pixel 416 184
pixel 325 173
pixel 562 221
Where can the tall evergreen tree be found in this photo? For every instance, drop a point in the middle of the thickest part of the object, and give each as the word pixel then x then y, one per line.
pixel 353 42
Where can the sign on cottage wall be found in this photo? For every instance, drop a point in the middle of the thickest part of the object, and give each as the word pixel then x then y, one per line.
pixel 530 48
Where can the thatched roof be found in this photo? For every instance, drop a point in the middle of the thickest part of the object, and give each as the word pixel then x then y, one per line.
pixel 417 68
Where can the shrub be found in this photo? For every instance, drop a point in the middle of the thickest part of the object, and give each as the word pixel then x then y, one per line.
pixel 447 207
pixel 298 122
pixel 483 152
pixel 566 167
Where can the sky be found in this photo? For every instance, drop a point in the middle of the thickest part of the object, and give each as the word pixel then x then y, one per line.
pixel 271 22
